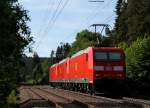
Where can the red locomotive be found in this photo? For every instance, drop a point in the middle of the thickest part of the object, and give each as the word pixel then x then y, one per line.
pixel 92 69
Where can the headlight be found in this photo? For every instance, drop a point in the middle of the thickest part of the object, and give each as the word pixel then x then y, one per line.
pixel 99 68
pixel 118 68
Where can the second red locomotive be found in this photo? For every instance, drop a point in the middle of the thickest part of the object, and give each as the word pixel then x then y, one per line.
pixel 90 70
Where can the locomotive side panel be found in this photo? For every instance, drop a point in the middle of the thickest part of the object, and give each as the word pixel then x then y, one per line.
pixel 79 69
pixel 53 73
pixel 89 57
pixel 62 71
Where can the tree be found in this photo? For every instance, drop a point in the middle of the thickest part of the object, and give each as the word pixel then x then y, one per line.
pixel 134 13
pixel 118 7
pixel 45 68
pixel 52 59
pixel 84 39
pixel 120 30
pixel 133 34
pixel 132 21
pixel 106 42
pixel 66 48
pixel 62 51
pixel 37 68
pixel 36 59
pixel 14 37
pixel 138 63
pixel 146 17
pixel 59 53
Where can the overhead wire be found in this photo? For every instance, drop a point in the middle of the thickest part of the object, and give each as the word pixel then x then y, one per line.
pixel 96 12
pixel 60 11
pixel 53 15
pixel 56 14
pixel 91 17
pixel 53 19
pixel 109 17
pixel 41 25
pixel 45 17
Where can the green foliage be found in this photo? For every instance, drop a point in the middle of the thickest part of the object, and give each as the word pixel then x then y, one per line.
pixel 123 45
pixel 132 21
pixel 120 26
pixel 12 98
pixel 45 75
pixel 66 48
pixel 119 7
pixel 37 69
pixel 36 59
pixel 138 60
pixel 106 42
pixel 84 39
pixel 14 37
pixel 37 73
pixel 30 81
pixel 61 52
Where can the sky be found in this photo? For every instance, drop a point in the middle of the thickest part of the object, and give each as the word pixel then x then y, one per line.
pixel 58 21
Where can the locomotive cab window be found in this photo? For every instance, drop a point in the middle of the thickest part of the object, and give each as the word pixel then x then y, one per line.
pixel 100 56
pixel 114 56
pixel 107 56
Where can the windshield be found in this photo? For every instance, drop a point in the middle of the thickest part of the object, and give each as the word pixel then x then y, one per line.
pixel 114 56
pixel 101 55
pixel 107 56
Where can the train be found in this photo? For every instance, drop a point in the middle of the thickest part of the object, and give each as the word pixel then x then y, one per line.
pixel 94 69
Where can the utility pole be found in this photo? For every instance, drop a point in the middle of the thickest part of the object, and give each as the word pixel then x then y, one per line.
pixel 106 26
pixel 95 25
pixel 100 25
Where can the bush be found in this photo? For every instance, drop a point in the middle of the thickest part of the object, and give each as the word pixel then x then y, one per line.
pixel 123 45
pixel 138 62
pixel 12 98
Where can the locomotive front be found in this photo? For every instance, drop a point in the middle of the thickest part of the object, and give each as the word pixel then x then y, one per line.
pixel 109 69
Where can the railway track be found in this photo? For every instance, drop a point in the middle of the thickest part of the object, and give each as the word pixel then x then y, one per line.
pixel 99 101
pixel 144 103
pixel 95 101
pixel 31 99
pixel 57 100
pixel 70 99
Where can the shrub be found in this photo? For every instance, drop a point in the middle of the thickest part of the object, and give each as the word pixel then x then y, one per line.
pixel 12 98
pixel 138 60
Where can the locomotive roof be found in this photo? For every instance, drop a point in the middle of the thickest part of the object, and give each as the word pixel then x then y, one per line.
pixel 79 53
pixel 108 48
pixel 54 65
pixel 84 50
pixel 63 60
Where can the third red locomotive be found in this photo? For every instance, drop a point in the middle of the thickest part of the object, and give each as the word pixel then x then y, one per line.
pixel 89 70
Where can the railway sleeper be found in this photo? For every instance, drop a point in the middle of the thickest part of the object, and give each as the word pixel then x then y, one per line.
pixel 37 103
